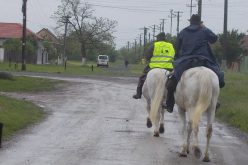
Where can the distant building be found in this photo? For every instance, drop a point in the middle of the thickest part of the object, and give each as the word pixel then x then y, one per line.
pixel 48 36
pixel 14 31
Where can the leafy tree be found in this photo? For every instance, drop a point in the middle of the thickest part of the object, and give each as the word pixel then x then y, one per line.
pixel 90 30
pixel 234 48
pixel 31 49
pixel 13 49
pixel 218 51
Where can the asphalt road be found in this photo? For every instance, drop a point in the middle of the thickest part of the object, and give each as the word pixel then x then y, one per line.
pixel 96 122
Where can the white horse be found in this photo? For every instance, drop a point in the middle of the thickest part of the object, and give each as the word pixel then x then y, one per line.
pixel 197 92
pixel 154 92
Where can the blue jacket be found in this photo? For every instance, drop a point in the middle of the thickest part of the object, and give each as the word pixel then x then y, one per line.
pixel 194 40
pixel 193 43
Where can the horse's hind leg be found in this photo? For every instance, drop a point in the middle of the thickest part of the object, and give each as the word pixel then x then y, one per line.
pixel 161 127
pixel 210 119
pixel 196 149
pixel 156 130
pixel 148 120
pixel 184 134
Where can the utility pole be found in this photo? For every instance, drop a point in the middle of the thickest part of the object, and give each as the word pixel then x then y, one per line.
pixel 65 21
pixel 191 6
pixel 200 8
pixel 171 19
pixel 225 32
pixel 128 45
pixel 24 11
pixel 135 47
pixel 178 16
pixel 145 40
pixel 140 44
pixel 163 23
pixel 154 32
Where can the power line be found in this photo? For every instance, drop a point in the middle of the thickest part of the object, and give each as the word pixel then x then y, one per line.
pixel 130 9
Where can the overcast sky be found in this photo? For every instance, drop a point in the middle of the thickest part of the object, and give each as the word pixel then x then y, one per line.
pixel 132 15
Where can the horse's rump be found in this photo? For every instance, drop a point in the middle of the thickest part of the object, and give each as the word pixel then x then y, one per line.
pixel 197 86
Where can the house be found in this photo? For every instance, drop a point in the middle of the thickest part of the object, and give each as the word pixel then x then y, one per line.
pixel 14 31
pixel 49 37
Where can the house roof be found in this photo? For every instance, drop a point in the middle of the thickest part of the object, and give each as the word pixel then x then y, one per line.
pixel 14 30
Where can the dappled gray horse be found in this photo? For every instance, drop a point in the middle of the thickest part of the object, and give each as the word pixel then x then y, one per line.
pixel 154 92
pixel 196 92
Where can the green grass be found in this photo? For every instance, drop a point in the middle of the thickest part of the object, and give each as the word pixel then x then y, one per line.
pixel 27 84
pixel 16 115
pixel 75 68
pixel 234 101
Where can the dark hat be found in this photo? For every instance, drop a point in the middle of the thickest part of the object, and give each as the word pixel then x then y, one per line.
pixel 161 36
pixel 195 19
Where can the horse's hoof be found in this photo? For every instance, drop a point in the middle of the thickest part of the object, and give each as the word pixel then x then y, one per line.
pixel 161 128
pixel 156 134
pixel 206 159
pixel 197 152
pixel 148 123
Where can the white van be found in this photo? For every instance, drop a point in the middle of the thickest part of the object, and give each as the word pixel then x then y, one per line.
pixel 103 60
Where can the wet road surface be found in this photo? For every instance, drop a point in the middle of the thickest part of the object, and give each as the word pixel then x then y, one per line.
pixel 96 122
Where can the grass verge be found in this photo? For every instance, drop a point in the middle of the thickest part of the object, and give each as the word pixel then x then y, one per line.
pixel 17 114
pixel 27 84
pixel 234 102
pixel 75 68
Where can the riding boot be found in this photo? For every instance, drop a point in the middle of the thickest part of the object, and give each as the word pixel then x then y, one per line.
pixel 1 131
pixel 138 93
pixel 171 87
pixel 139 88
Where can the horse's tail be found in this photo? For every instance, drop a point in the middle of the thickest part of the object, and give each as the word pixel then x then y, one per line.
pixel 157 97
pixel 204 98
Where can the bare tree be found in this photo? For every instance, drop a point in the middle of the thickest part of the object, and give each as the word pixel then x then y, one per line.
pixel 90 30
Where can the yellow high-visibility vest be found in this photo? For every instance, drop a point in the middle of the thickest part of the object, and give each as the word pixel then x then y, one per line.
pixel 163 55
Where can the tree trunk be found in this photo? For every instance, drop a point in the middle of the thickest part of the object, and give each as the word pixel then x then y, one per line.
pixel 83 53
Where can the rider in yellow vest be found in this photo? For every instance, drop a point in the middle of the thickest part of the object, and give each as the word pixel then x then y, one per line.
pixel 160 55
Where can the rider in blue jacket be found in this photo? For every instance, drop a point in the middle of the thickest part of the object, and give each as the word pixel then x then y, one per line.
pixel 192 50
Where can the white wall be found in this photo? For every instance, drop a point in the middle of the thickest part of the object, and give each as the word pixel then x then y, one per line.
pixel 1 54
